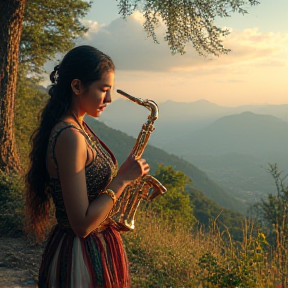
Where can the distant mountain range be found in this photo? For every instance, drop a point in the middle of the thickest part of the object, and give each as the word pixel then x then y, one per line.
pixel 233 145
pixel 176 118
pixel 245 133
pixel 235 151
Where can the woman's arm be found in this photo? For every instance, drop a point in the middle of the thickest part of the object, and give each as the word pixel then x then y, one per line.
pixel 71 155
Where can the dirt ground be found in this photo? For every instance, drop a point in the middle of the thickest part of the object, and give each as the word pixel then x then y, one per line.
pixel 19 262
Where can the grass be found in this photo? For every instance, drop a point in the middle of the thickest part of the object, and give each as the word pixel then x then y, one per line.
pixel 164 257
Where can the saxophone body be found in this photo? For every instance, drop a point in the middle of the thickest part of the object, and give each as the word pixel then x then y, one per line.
pixel 146 187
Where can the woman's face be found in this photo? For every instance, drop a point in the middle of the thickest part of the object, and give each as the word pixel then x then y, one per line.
pixel 95 98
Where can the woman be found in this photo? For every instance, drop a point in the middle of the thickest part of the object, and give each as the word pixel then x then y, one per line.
pixel 72 166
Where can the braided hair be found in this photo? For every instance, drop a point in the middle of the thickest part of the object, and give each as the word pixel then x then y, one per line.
pixel 87 64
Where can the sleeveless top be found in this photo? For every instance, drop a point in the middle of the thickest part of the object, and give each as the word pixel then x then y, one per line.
pixel 99 172
pixel 99 260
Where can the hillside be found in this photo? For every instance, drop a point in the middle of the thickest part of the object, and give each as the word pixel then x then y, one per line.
pixel 245 133
pixel 205 210
pixel 243 176
pixel 235 151
pixel 121 144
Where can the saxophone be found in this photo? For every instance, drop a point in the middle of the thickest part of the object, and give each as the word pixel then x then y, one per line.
pixel 145 187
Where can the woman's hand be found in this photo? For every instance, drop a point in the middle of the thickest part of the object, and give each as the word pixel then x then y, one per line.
pixel 131 169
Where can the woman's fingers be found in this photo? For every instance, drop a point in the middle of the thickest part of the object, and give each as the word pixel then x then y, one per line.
pixel 131 169
pixel 146 169
pixel 144 166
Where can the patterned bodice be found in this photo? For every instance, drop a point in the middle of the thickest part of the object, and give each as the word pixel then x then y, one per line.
pixel 99 173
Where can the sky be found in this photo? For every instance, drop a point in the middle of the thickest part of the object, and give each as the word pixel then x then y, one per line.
pixel 254 72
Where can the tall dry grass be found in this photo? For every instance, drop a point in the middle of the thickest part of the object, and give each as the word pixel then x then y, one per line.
pixel 165 255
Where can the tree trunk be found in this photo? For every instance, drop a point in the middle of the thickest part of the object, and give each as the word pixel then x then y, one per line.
pixel 11 18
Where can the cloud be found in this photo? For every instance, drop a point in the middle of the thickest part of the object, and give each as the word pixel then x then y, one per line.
pixel 130 48
pixel 255 70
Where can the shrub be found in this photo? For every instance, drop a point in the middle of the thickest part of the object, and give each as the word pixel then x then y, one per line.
pixel 12 205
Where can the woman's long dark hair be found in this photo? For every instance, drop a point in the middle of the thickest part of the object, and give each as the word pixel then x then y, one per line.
pixel 87 64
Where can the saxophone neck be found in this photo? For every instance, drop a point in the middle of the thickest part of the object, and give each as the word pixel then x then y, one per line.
pixel 147 128
pixel 149 104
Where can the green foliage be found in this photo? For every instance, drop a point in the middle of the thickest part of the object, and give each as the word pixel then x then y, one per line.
pixel 175 205
pixel 11 203
pixel 29 102
pixel 50 27
pixel 172 178
pixel 272 212
pixel 273 209
pixel 230 273
pixel 237 267
pixel 206 211
pixel 187 21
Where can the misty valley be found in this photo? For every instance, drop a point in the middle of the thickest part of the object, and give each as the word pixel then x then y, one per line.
pixel 232 145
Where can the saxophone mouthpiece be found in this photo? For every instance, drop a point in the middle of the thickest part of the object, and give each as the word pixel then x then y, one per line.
pixel 140 101
pixel 122 93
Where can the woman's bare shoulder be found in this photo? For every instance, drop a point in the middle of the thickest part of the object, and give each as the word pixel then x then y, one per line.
pixel 66 136
pixel 69 134
pixel 70 148
pixel 59 128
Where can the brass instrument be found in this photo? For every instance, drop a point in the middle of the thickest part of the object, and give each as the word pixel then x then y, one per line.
pixel 146 187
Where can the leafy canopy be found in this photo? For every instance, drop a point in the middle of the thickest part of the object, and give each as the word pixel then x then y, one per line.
pixel 187 21
pixel 50 27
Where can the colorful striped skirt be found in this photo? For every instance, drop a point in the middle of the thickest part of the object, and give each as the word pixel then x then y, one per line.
pixel 99 260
